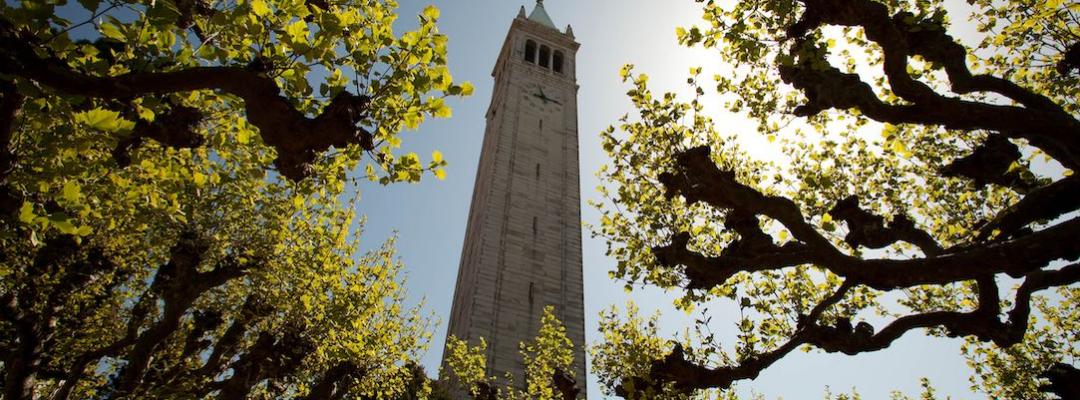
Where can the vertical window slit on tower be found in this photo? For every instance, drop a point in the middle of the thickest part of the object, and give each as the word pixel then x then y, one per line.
pixel 541 124
pixel 534 226
pixel 530 51
pixel 545 56
pixel 530 292
pixel 537 171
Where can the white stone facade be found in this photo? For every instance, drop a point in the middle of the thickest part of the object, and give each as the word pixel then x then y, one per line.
pixel 522 247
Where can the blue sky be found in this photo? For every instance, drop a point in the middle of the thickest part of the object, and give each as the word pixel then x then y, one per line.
pixel 429 218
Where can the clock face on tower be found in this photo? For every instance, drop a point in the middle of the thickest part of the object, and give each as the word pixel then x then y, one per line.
pixel 543 96
pixel 546 99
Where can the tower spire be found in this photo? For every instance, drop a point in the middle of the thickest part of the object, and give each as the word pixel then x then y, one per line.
pixel 540 15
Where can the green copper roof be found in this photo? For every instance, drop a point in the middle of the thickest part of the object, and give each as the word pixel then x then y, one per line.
pixel 541 16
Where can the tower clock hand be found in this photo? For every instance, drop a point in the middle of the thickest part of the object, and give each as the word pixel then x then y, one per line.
pixel 544 97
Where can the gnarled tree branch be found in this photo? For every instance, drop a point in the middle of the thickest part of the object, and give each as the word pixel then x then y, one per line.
pixel 1042 122
pixel 698 179
pixel 296 137
pixel 336 382
pixel 1043 204
pixel 270 357
pixel 983 323
pixel 10 103
pixel 869 230
pixel 178 283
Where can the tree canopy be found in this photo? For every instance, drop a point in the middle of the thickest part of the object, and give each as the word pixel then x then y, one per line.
pixel 548 361
pixel 173 198
pixel 926 184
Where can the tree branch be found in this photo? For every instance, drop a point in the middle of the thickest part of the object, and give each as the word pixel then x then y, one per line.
pixel 992 162
pixel 686 375
pixel 866 229
pixel 178 283
pixel 269 358
pixel 706 272
pixel 1070 60
pixel 1064 381
pixel 10 103
pixel 34 309
pixel 336 382
pixel 296 137
pixel 1043 204
pixel 565 384
pixel 175 128
pixel 225 348
pixel 698 179
pixel 1040 121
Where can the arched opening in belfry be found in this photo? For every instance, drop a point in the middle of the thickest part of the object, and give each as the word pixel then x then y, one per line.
pixel 530 51
pixel 557 62
pixel 545 56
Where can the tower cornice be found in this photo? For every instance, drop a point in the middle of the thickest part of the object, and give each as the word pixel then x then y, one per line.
pixel 544 32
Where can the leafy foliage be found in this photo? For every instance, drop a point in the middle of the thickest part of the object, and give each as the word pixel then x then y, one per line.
pixel 1015 372
pixel 629 345
pixel 547 359
pixel 917 176
pixel 172 195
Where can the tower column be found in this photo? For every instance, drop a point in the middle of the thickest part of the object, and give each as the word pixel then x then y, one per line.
pixel 522 247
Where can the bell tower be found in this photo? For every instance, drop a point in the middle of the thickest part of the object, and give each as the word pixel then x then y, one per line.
pixel 522 247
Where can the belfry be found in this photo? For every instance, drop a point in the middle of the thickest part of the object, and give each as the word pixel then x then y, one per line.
pixel 522 247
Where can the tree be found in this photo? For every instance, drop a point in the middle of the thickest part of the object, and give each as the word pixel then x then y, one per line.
pixel 172 196
pixel 925 184
pixel 547 359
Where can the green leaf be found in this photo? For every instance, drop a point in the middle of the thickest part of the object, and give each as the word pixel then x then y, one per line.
pixel 111 31
pixel 625 71
pixel 431 13
pixel 440 110
pixel 65 226
pixel 146 114
pixel 71 192
pixel 104 120
pixel 899 148
pixel 298 32
pixel 26 212
pixel 260 8
pixel 412 119
pixel 467 89
pixel 243 136
pixel 369 171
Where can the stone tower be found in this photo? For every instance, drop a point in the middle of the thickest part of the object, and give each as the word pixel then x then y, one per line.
pixel 522 247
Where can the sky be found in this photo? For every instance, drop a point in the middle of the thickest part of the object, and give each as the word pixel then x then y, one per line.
pixel 430 218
